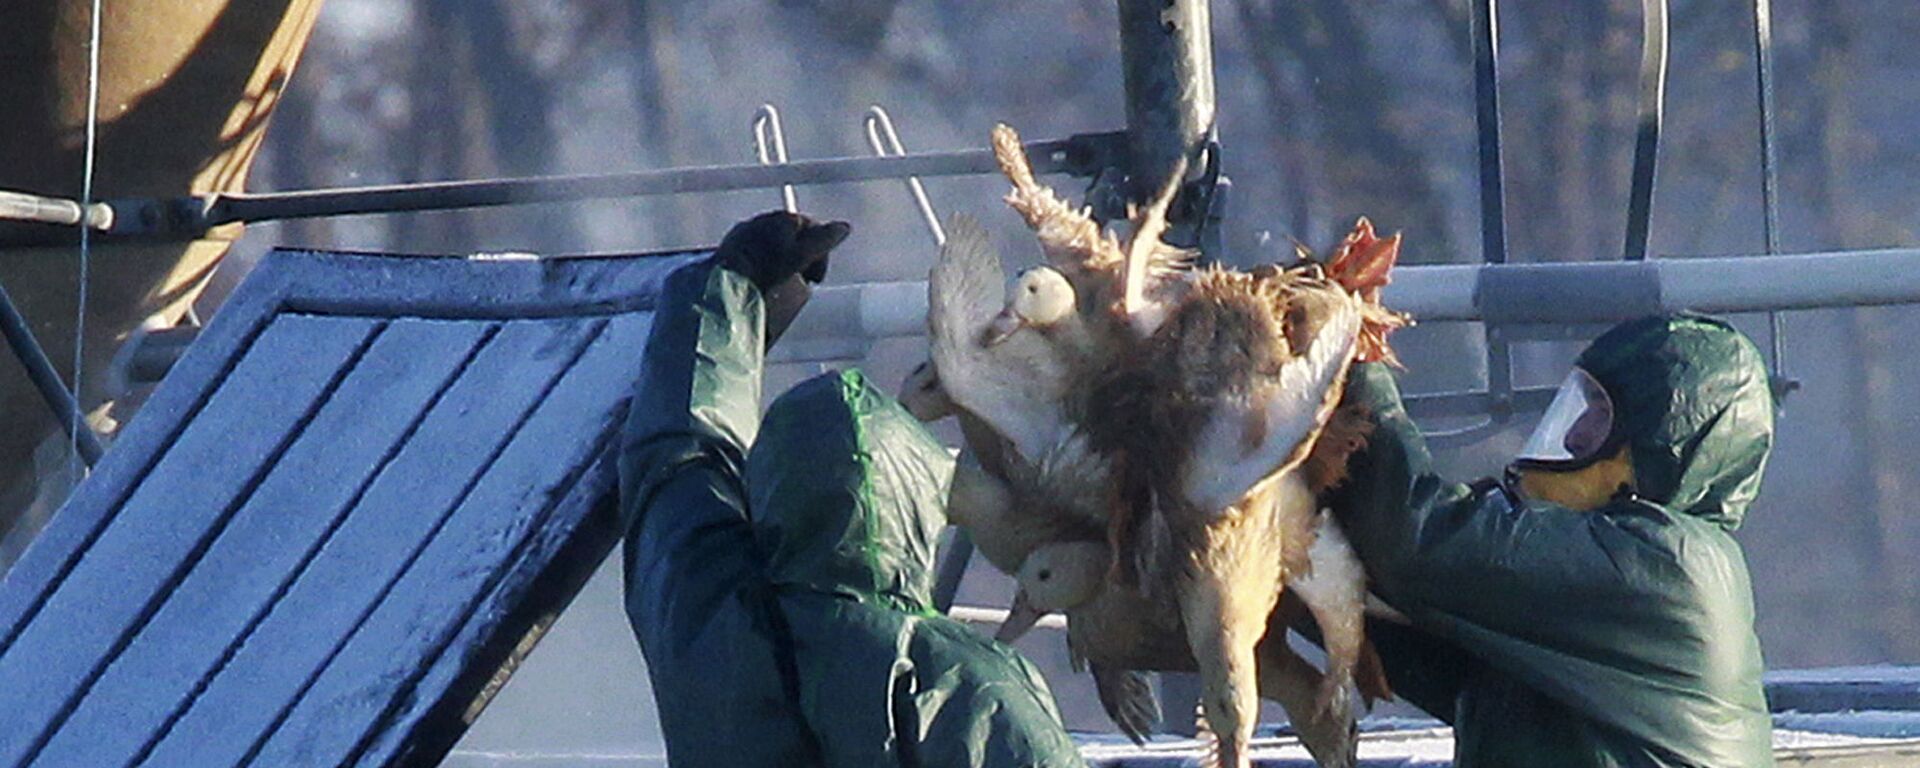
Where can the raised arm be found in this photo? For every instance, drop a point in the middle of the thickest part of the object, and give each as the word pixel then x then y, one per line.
pixel 696 590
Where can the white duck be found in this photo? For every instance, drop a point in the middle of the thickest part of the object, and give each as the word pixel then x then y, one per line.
pixel 1018 365
pixel 1002 525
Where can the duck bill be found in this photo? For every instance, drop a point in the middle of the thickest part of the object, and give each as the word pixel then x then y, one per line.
pixel 1003 326
pixel 1021 616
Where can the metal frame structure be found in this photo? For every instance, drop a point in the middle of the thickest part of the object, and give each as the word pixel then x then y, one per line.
pixel 1167 63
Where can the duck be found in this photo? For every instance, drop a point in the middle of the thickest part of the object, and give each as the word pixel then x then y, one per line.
pixel 1016 366
pixel 1211 421
pixel 1114 630
pixel 1210 389
pixel 983 499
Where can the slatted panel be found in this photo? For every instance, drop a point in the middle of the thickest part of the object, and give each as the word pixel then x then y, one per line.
pixel 402 638
pixel 332 522
pixel 284 523
pixel 136 559
pixel 405 506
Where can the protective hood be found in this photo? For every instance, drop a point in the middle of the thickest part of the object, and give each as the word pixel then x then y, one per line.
pixel 834 513
pixel 1691 398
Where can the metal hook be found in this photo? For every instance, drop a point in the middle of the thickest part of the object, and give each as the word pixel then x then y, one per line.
pixel 885 141
pixel 767 134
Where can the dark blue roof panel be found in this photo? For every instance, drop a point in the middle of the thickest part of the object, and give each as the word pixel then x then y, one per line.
pixel 336 521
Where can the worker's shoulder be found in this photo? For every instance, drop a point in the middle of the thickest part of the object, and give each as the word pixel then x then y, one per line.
pixel 1680 551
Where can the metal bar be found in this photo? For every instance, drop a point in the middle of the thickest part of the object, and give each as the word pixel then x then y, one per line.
pixel 1079 155
pixel 885 142
pixel 1485 32
pixel 1462 404
pixel 66 409
pixel 1166 60
pixel 770 148
pixel 1589 292
pixel 1769 170
pixel 1486 97
pixel 980 614
pixel 25 207
pixel 953 568
pixel 1646 144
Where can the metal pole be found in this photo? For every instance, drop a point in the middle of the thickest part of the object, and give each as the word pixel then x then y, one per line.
pixel 1166 56
pixel 1485 34
pixel 1769 175
pixel 1060 156
pixel 66 409
pixel 1543 294
pixel 1646 145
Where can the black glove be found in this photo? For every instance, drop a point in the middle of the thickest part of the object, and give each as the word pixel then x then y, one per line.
pixel 781 253
pixel 776 245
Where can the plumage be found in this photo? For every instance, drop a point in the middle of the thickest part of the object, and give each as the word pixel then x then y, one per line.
pixel 1115 627
pixel 1171 427
pixel 986 495
pixel 1214 415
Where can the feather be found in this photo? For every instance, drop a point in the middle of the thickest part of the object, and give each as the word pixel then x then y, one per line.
pixel 1014 386
pixel 1289 410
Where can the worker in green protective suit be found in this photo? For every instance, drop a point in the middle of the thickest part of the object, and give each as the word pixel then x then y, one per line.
pixel 1592 608
pixel 779 571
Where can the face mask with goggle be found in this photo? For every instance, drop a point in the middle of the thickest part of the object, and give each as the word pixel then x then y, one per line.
pixel 1575 432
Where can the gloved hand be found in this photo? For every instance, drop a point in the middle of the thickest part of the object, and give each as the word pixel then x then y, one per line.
pixel 781 253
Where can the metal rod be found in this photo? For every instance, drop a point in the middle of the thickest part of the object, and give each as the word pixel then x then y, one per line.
pixel 1166 62
pixel 1646 144
pixel 1057 156
pixel 952 569
pixel 1769 170
pixel 1593 292
pixel 769 135
pixel 66 408
pixel 885 142
pixel 25 207
pixel 1485 31
pixel 1486 97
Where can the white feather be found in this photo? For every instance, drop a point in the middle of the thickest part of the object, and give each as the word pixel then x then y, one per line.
pixel 1292 405
pixel 1014 386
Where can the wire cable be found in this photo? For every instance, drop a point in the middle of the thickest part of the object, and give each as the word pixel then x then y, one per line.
pixel 75 466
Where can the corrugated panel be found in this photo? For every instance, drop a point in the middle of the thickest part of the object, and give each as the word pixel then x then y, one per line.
pixel 335 521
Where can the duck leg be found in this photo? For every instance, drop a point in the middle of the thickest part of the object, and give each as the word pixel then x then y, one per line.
pixel 1335 591
pixel 1225 598
pixel 1291 681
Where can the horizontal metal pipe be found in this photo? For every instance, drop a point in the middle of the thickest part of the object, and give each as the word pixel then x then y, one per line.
pixel 980 614
pixel 25 207
pixel 1547 294
pixel 1057 156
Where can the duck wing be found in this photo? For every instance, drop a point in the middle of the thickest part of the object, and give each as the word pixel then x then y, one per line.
pixel 1127 696
pixel 1014 386
pixel 1268 428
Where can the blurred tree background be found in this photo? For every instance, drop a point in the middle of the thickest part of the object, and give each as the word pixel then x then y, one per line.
pixel 1329 109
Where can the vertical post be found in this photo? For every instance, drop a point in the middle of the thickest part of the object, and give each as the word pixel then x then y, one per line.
pixel 1486 97
pixel 1493 200
pixel 1646 143
pixel 66 409
pixel 1166 54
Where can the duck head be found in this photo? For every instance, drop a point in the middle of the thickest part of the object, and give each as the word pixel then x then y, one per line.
pixel 1042 297
pixel 1061 576
pixel 923 396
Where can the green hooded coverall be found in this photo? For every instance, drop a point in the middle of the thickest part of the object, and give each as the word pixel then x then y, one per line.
pixel 779 574
pixel 1621 636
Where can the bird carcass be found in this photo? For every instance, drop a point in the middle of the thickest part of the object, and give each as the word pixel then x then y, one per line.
pixel 1166 416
